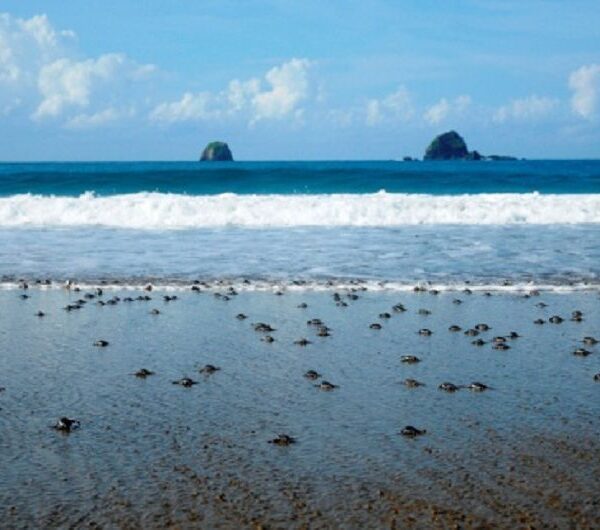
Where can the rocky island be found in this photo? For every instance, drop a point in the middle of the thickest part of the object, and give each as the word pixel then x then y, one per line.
pixel 452 146
pixel 216 152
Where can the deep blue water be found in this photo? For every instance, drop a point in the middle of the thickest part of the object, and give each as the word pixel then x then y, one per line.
pixel 194 178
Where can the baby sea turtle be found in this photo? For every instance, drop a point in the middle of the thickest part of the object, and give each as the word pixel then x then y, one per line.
pixel 142 373
pixel 597 377
pixel 302 342
pixel 314 322
pixel 341 303
pixel 65 424
pixel 268 338
pixel 209 369
pixel 412 383
pixel 577 316
pixel 409 359
pixel 539 321
pixel 241 316
pixel 457 301
pixel 513 335
pixel 541 305
pixel 101 343
pixel 448 387
pixel 263 328
pixel 23 296
pixel 385 315
pixel 40 314
pixel 482 327
pixel 326 386
pixel 590 341
pixel 155 312
pixel 425 332
pixel 412 432
pixel 323 332
pixel 497 340
pixel 186 382
pixel 375 325
pixel 424 312
pixel 283 440
pixel 303 305
pixel 399 308
pixel 454 328
pixel 502 346
pixel 312 375
pixel 581 352
pixel 477 387
pixel 555 319
pixel 471 332
pixel 478 342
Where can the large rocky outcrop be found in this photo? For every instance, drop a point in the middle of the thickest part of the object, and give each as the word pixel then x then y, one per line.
pixel 451 146
pixel 216 152
pixel 447 146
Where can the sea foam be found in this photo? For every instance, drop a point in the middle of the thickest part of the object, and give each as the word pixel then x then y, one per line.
pixel 154 211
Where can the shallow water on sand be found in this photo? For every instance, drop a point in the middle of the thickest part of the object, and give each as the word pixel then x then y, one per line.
pixel 141 442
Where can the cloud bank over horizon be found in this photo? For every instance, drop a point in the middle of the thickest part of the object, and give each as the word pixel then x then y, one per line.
pixel 48 84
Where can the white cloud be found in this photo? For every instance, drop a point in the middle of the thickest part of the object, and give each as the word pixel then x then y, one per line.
pixel 98 119
pixel 39 61
pixel 443 109
pixel 525 109
pixel 585 84
pixel 288 86
pixel 394 107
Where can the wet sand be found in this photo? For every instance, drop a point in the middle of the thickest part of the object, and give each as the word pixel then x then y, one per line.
pixel 150 454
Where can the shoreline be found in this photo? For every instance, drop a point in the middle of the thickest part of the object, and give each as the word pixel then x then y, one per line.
pixel 150 454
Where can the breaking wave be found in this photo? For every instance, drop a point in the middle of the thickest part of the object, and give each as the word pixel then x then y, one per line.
pixel 157 211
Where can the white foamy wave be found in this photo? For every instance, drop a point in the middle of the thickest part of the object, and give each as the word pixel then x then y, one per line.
pixel 171 211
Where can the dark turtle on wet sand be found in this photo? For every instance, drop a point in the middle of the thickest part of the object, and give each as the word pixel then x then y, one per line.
pixel 101 343
pixel 399 308
pixel 471 332
pixel 185 381
pixel 283 440
pixel 425 332
pixel 581 352
pixel 155 312
pixel 478 342
pixel 241 316
pixel 326 386
pixel 412 383
pixel 40 314
pixel 65 424
pixel 448 387
pixel 513 335
pixel 323 332
pixel 409 359
pixel 312 375
pixel 457 301
pixel 577 316
pixel 497 340
pixel 209 369
pixel 268 338
pixel 539 321
pixel 477 387
pixel 302 342
pixel 502 346
pixel 482 327
pixel 385 315
pixel 303 305
pixel 412 432
pixel 424 312
pixel 555 319
pixel 597 377
pixel 454 328
pixel 314 322
pixel 263 328
pixel 590 341
pixel 375 325
pixel 142 373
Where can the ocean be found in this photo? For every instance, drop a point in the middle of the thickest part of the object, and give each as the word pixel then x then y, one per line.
pixel 387 223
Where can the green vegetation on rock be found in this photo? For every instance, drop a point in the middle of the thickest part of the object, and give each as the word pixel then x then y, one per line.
pixel 216 152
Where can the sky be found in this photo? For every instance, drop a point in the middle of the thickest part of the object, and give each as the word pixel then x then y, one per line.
pixel 297 80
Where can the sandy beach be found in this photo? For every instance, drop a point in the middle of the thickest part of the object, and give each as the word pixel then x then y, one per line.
pixel 151 454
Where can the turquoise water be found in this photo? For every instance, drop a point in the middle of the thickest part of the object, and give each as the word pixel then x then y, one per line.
pixel 535 222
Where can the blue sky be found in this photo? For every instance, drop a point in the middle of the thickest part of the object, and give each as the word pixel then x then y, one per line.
pixel 371 79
